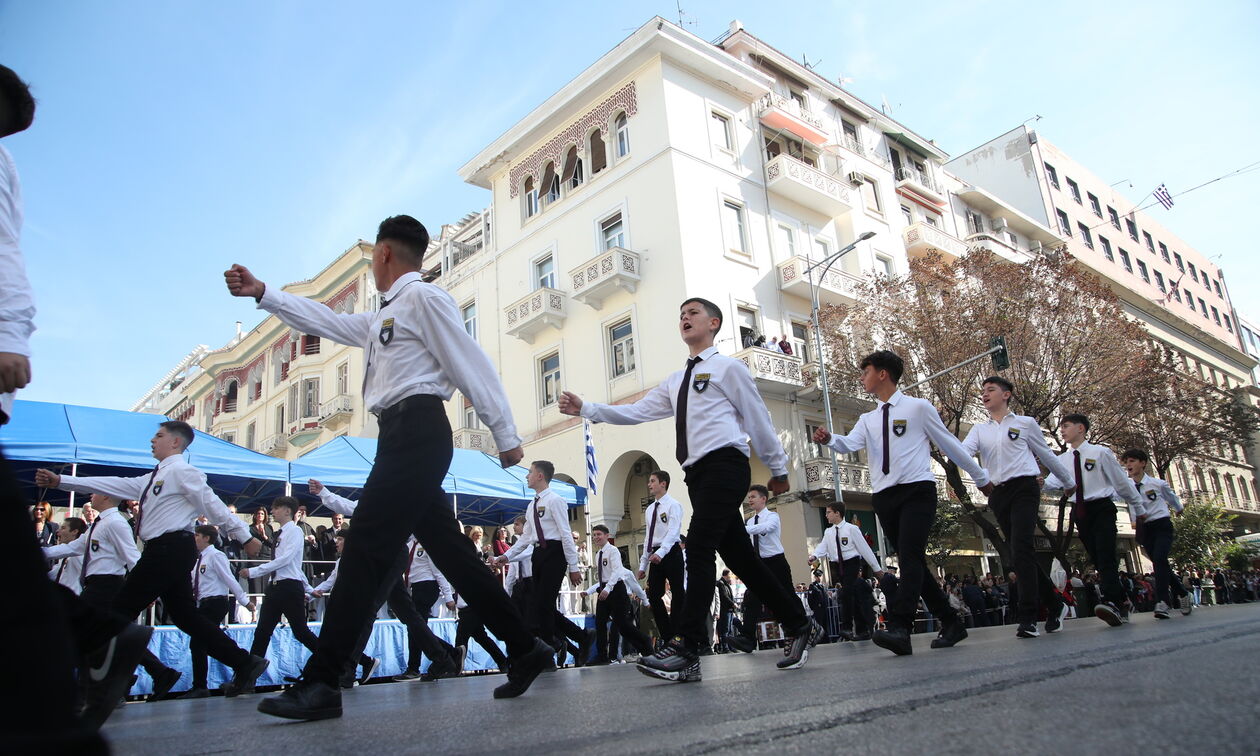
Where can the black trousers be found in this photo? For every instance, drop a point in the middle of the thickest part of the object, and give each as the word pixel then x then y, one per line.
pixel 717 485
pixel 754 609
pixel 906 512
pixel 162 572
pixel 670 569
pixel 407 607
pixel 100 591
pixel 471 627
pixel 1097 529
pixel 1015 504
pixel 1157 539
pixel 549 568
pixel 288 599
pixel 616 608
pixel 403 494
pixel 853 590
pixel 215 609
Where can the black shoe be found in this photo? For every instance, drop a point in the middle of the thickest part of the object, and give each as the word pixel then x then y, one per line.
pixel 740 643
pixel 796 652
pixel 1054 620
pixel 461 653
pixel 585 644
pixel 522 671
pixel 407 676
pixel 243 681
pixel 895 639
pixel 307 701
pixel 369 670
pixel 951 633
pixel 863 636
pixel 562 654
pixel 109 673
pixel 163 681
pixel 675 663
pixel 195 693
pixel 441 669
pixel 1027 630
pixel 845 635
pixel 1109 613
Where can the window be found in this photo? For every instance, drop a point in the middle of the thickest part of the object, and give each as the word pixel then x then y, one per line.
pixel 1216 315
pixel 1150 243
pixel 612 231
pixel 852 139
pixel 801 346
pixel 1132 227
pixel 975 222
pixel 821 249
pixel 1085 235
pixel 622 128
pixel 1106 248
pixel 1142 271
pixel 1228 325
pixel 597 151
pixel 530 197
pixel 549 378
pixel 549 187
pixel 1203 307
pixel 545 273
pixel 1074 190
pixel 1163 251
pixel 1093 205
pixel 469 311
pixel 799 99
pixel 572 177
pixel 229 397
pixel 295 394
pixel 930 220
pixel 748 330
pixel 310 345
pixel 621 348
pixel 785 237
pixel 870 195
pixel 907 214
pixel 884 265
pixel 279 415
pixel 1012 238
pixel 1189 299
pixel 1194 273
pixel 229 437
pixel 1124 258
pixel 310 397
pixel 1176 294
pixel 1052 176
pixel 1217 286
pixel 1159 281
pixel 343 378
pixel 1206 283
pixel 1064 224
pixel 1114 216
pixel 722 137
pixel 733 227
pixel 471 420
pixel 249 436
pixel 1177 259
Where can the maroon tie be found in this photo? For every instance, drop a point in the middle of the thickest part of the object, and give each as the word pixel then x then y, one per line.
pixel 839 554
pixel 538 531
pixel 680 413
pixel 1079 510
pixel 887 406
pixel 197 580
pixel 410 558
pixel 651 543
pixel 87 554
pixel 144 495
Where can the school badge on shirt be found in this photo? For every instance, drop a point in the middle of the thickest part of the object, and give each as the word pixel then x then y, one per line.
pixel 96 545
pixel 700 382
pixel 202 569
pixel 157 488
pixel 1152 495
pixel 542 510
pixel 1012 434
pixel 899 428
pixel 664 517
pixel 1090 464
pixel 844 541
pixel 387 331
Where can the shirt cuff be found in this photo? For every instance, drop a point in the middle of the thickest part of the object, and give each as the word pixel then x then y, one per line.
pixel 270 300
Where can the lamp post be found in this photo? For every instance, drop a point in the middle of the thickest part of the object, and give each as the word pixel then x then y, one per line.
pixel 827 262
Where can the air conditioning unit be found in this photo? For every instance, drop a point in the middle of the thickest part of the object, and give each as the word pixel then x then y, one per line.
pixel 856 178
pixel 999 225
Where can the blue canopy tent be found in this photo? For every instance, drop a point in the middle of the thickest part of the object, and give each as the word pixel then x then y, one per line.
pixel 95 441
pixel 482 492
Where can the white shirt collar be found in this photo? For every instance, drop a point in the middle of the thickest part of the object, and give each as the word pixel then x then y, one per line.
pixel 402 281
pixel 706 354
pixel 896 397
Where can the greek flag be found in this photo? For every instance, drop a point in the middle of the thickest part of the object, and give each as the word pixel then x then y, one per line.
pixel 1165 199
pixel 592 467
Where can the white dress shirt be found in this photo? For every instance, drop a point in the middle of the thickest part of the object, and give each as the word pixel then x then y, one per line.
pixel 178 496
pixel 609 569
pixel 664 526
pixel 723 409
pixel 331 580
pixel 211 576
pixel 1103 478
pixel 1011 448
pixel 66 571
pixel 519 568
pixel 553 515
pixel 416 344
pixel 286 564
pixel 111 541
pixel 339 504
pixel 17 304
pixel 766 531
pixel 632 585
pixel 421 568
pixel 1157 498
pixel 912 422
pixel 845 541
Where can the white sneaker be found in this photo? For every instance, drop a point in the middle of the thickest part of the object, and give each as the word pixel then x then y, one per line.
pixel 1161 610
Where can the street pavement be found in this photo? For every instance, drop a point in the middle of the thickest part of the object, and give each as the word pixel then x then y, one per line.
pixel 1185 685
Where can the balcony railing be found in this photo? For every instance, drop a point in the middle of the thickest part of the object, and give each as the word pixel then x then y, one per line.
pixel 861 150
pixel 539 309
pixel 340 407
pixel 275 444
pixel 808 186
pixel 921 240
pixel 920 182
pixel 782 113
pixel 835 288
pixel 475 439
pixel 853 477
pixel 774 371
pixel 596 279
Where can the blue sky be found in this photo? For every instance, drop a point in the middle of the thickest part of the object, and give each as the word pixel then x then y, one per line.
pixel 173 139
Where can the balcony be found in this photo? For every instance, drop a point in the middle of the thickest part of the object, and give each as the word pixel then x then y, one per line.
pixel 475 439
pixel 862 151
pixel 275 445
pixel 774 372
pixel 920 183
pixel 336 412
pixel 303 432
pixel 853 477
pixel 812 377
pixel 601 276
pixel 835 288
pixel 921 240
pixel 781 113
pixel 807 186
pixel 539 309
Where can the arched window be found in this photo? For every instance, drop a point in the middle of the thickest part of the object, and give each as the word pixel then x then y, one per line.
pixel 229 397
pixel 598 152
pixel 549 187
pixel 622 126
pixel 531 197
pixel 572 176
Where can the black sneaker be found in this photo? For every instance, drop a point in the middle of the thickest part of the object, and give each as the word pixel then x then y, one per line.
pixel 585 644
pixel 675 663
pixel 243 680
pixel 739 643
pixel 796 652
pixel 1027 630
pixel 369 670
pixel 163 681
pixel 522 671
pixel 195 693
pixel 863 636
pixel 1109 613
pixel 307 701
pixel 895 639
pixel 349 679
pixel 109 673
pixel 441 669
pixel 407 676
pixel 1054 619
pixel 951 633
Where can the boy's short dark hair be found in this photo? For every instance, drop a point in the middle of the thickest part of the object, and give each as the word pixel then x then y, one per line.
pixel 209 531
pixel 1138 454
pixel 77 524
pixel 1075 417
pixel 287 502
pixel 710 309
pixel 1000 382
pixel 601 528
pixel 885 359
pixel 21 104
pixel 837 507
pixel 765 492
pixel 181 429
pixel 546 468
pixel 661 476
pixel 408 233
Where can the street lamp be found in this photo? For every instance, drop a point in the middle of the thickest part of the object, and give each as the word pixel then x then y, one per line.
pixel 827 262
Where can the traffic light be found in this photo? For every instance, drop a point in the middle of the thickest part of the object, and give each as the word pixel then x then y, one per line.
pixel 1001 358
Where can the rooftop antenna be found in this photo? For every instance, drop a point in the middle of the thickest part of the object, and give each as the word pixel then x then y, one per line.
pixel 682 15
pixel 809 66
pixel 1124 181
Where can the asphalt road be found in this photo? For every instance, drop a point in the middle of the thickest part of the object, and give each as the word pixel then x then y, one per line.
pixel 1186 685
